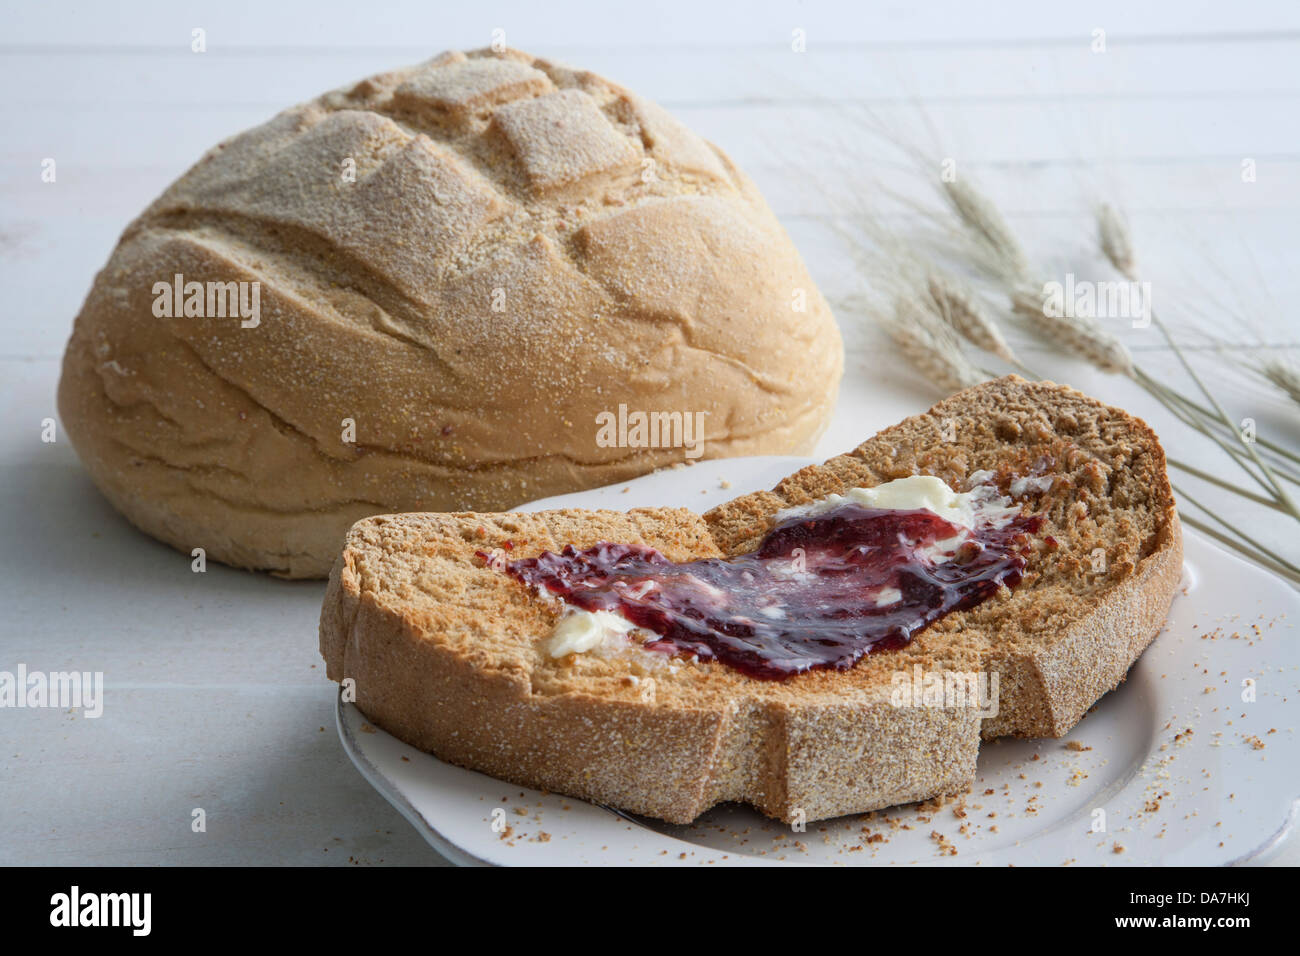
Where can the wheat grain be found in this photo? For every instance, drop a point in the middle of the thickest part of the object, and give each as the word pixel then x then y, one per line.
pixel 1079 334
pixel 991 229
pixel 1116 244
pixel 1284 376
pixel 962 309
pixel 931 346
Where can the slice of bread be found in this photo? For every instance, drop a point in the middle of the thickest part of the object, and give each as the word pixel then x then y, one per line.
pixel 450 655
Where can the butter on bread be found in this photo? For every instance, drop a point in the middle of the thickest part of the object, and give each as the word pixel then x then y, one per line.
pixel 449 655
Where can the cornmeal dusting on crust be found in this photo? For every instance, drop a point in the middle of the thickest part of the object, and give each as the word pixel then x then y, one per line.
pixel 470 259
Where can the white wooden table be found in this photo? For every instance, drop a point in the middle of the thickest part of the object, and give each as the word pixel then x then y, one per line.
pixel 215 695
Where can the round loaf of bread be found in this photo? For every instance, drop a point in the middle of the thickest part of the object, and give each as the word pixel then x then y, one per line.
pixel 460 286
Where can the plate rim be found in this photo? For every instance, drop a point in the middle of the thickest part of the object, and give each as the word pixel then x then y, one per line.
pixel 392 792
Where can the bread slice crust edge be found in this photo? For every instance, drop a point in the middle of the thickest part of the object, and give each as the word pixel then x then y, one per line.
pixel 816 746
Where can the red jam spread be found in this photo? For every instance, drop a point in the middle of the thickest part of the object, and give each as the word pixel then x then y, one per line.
pixel 819 592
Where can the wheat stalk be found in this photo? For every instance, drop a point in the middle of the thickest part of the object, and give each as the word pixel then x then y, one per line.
pixel 895 267
pixel 989 244
pixel 926 328
pixel 1117 246
pixel 998 249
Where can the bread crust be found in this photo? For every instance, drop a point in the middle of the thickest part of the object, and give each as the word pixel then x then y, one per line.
pixel 520 248
pixel 446 653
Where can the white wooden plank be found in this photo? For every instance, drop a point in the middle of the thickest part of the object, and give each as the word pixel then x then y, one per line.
pixel 1227 129
pixel 77 79
pixel 670 23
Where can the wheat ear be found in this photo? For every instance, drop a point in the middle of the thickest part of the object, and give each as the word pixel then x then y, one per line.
pixel 991 230
pixel 1284 376
pixel 930 346
pixel 961 308
pixel 1113 237
pixel 1081 335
